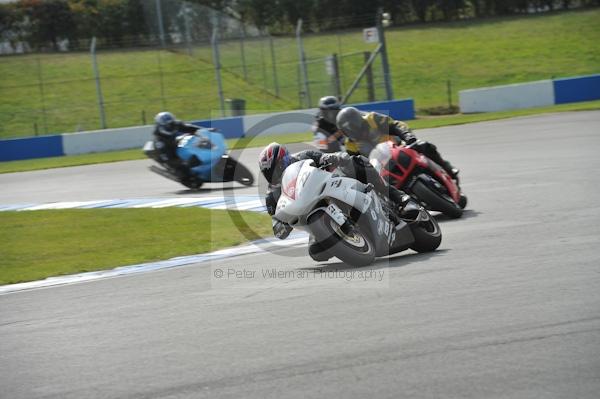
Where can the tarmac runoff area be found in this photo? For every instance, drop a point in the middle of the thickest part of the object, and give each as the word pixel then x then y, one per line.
pixel 509 306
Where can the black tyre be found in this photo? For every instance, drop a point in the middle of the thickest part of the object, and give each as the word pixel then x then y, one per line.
pixel 437 201
pixel 355 249
pixel 462 202
pixel 428 235
pixel 235 171
pixel 192 184
pixel 243 175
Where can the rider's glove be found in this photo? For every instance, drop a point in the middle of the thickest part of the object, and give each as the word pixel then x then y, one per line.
pixel 281 230
pixel 336 159
pixel 409 138
pixel 271 203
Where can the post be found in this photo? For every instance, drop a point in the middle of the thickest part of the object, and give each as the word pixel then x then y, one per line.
pixel 362 72
pixel 188 32
pixel 340 60
pixel 449 89
pixel 298 81
pixel 274 66
pixel 98 88
pixel 384 57
pixel 217 63
pixel 302 60
pixel 263 64
pixel 243 52
pixel 161 81
pixel 369 76
pixel 337 88
pixel 41 82
pixel 161 28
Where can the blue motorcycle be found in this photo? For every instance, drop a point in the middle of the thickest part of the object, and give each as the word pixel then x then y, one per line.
pixel 202 157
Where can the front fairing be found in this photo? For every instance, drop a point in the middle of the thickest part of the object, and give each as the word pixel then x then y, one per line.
pixel 306 189
pixel 207 146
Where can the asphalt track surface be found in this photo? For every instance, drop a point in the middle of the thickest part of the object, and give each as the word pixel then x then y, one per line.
pixel 509 306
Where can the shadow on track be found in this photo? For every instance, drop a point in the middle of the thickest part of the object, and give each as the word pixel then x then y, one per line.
pixel 396 260
pixel 467 214
pixel 210 190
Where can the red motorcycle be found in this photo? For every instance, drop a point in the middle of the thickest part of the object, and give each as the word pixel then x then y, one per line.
pixel 420 177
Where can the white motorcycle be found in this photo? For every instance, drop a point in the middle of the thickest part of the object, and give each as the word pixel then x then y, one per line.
pixel 348 218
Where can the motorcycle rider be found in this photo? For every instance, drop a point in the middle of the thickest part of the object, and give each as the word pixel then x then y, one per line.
pixel 367 129
pixel 329 107
pixel 167 130
pixel 275 158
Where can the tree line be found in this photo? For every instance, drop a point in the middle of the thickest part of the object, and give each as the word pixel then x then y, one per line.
pixel 44 24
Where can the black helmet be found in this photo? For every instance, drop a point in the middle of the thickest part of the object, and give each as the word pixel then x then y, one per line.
pixel 350 121
pixel 166 122
pixel 272 161
pixel 329 107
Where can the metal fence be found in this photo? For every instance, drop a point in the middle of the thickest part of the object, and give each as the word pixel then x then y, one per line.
pixel 192 68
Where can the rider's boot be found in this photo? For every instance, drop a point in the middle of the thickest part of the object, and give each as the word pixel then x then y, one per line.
pixel 451 170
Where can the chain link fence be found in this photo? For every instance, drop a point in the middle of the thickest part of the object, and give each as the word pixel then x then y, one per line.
pixel 174 67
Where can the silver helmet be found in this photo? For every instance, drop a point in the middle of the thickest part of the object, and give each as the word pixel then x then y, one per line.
pixel 350 121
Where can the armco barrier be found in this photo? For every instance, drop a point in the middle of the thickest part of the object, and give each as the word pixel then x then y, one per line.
pixel 31 147
pixel 135 137
pixel 572 90
pixel 531 94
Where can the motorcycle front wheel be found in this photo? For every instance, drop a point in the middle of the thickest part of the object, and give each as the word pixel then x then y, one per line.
pixel 437 201
pixel 428 235
pixel 354 247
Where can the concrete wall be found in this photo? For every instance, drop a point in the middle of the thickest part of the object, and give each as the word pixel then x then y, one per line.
pixel 302 120
pixel 403 110
pixel 531 94
pixel 106 140
pixel 279 123
pixel 572 90
pixel 135 137
pixel 31 147
pixel 499 98
pixel 230 127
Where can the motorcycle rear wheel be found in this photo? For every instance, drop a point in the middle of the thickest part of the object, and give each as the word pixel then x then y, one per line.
pixel 355 249
pixel 243 175
pixel 233 170
pixel 436 201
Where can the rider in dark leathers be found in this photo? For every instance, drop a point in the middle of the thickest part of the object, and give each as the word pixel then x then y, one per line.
pixel 367 129
pixel 275 158
pixel 329 107
pixel 167 130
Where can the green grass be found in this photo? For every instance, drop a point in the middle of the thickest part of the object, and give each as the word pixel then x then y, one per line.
pixel 426 122
pixel 423 58
pixel 38 244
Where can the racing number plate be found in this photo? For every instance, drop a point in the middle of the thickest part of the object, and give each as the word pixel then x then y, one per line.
pixel 336 214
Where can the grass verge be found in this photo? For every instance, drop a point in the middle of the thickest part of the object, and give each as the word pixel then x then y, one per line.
pixel 421 123
pixel 40 244
pixel 57 93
